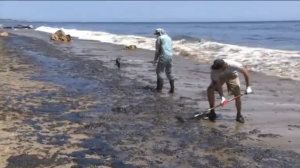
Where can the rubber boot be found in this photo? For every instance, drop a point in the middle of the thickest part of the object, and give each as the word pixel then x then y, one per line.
pixel 240 118
pixel 159 86
pixel 212 116
pixel 171 86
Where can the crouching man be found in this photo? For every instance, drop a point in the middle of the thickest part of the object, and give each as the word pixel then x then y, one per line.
pixel 226 71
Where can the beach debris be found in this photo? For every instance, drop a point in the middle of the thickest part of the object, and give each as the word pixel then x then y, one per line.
pixel 61 36
pixel 255 131
pixel 180 119
pixel 24 27
pixel 269 135
pixel 3 34
pixel 295 126
pixel 131 47
pixel 18 27
pixel 184 53
pixel 7 27
pixel 118 63
pixel 119 110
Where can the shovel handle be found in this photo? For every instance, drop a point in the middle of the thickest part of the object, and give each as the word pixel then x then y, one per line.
pixel 230 100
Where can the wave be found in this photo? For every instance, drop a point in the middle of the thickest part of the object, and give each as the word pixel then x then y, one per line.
pixel 185 37
pixel 271 62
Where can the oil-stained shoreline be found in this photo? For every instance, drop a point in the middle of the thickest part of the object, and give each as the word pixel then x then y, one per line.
pixel 59 110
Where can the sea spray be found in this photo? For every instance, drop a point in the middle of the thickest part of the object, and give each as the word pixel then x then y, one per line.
pixel 271 62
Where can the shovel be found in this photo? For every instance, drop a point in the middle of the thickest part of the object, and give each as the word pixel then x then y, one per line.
pixel 203 114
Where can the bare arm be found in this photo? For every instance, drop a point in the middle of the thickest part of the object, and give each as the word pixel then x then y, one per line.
pixel 246 76
pixel 215 79
pixel 219 87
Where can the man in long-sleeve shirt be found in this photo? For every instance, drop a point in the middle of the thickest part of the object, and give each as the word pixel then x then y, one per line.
pixel 164 56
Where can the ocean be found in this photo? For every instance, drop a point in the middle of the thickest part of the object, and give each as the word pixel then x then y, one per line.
pixel 272 48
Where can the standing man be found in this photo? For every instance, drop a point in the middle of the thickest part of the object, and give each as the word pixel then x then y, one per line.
pixel 164 55
pixel 226 71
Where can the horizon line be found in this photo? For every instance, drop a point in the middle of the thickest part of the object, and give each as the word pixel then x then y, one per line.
pixel 247 21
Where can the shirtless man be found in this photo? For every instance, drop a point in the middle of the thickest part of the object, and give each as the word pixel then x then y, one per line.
pixel 226 71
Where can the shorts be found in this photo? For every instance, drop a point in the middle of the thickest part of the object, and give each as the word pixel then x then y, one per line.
pixel 233 86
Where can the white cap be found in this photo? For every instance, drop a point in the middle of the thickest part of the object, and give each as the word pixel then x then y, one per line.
pixel 159 31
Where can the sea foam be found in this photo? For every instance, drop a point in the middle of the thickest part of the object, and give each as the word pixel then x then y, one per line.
pixel 271 62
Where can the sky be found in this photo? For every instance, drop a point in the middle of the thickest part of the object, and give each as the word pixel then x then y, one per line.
pixel 149 11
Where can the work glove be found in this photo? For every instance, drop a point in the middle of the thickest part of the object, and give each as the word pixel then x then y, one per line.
pixel 223 101
pixel 248 90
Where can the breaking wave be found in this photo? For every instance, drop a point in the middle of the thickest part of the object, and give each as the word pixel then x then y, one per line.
pixel 271 62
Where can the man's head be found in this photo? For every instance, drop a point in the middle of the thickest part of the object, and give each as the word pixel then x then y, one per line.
pixel 219 64
pixel 158 32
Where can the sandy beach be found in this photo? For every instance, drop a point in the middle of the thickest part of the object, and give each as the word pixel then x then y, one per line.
pixel 67 105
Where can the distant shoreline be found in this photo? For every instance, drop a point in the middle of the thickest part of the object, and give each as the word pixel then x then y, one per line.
pixel 165 22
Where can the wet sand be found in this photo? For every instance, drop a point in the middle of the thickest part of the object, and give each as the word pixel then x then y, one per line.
pixel 67 105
